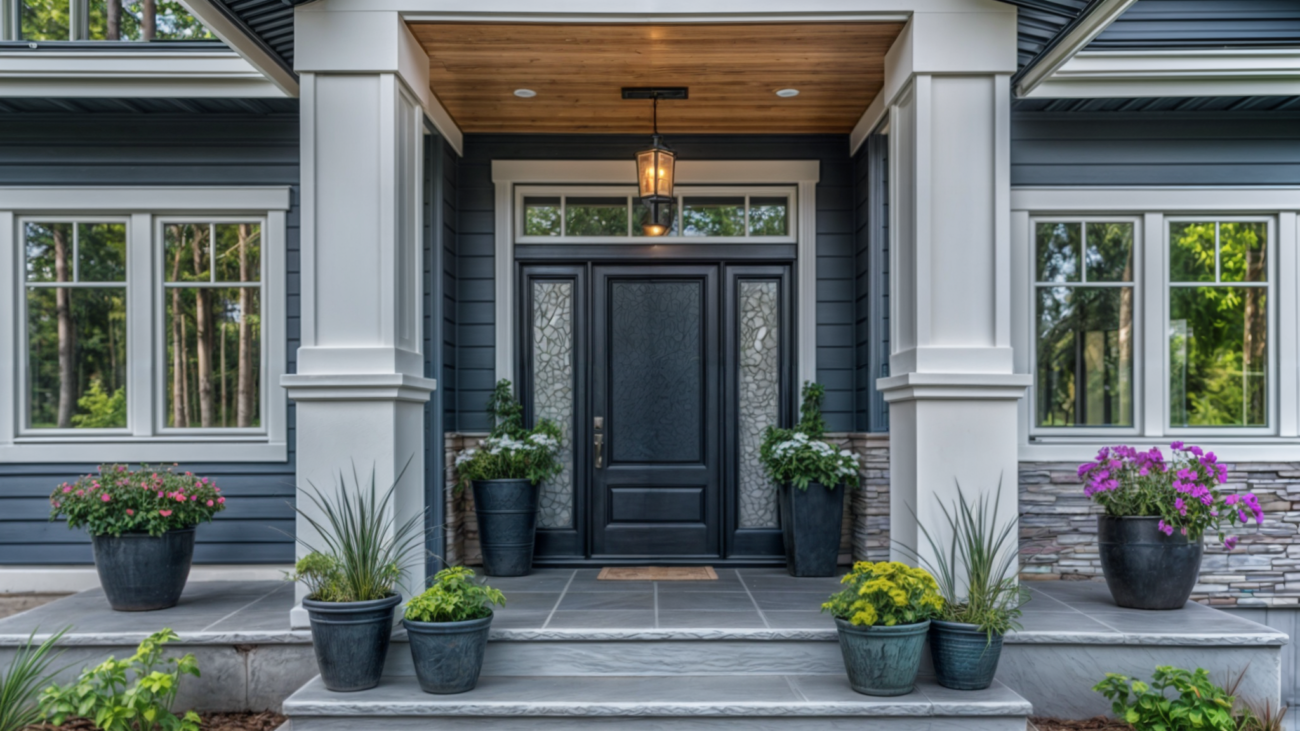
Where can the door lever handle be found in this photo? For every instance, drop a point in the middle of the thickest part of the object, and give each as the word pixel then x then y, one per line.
pixel 600 449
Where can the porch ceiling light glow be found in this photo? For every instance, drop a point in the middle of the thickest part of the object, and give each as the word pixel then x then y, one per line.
pixel 654 167
pixel 787 93
pixel 525 93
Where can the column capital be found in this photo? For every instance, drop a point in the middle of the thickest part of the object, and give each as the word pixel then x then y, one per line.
pixel 954 386
pixel 358 387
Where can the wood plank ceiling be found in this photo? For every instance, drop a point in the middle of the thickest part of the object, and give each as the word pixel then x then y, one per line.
pixel 732 70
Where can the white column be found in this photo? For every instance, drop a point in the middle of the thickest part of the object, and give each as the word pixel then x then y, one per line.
pixel 359 386
pixel 952 389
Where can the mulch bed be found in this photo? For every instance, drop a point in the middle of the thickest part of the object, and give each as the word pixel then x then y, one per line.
pixel 1099 723
pixel 248 721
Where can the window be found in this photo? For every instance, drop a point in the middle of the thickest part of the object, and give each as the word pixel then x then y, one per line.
pixel 611 214
pixel 103 20
pixel 1218 323
pixel 1085 299
pixel 1151 315
pixel 144 335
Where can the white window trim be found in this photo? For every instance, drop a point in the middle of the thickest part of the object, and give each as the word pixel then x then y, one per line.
pixel 790 193
pixel 1156 206
pixel 802 174
pixel 144 208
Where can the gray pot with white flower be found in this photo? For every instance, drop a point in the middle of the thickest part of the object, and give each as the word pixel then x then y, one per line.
pixel 506 472
pixel 811 476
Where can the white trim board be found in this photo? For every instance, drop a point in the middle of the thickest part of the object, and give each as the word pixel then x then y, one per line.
pixel 133 74
pixel 1096 20
pixel 76 578
pixel 804 173
pixel 1166 73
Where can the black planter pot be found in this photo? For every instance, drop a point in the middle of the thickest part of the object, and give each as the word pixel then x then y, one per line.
pixel 1144 568
pixel 507 525
pixel 141 573
pixel 964 657
pixel 810 528
pixel 351 641
pixel 448 655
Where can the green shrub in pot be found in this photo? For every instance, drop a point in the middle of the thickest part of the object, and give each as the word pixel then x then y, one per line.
pixel 448 630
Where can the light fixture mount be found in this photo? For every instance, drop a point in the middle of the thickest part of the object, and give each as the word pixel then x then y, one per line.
pixel 656 92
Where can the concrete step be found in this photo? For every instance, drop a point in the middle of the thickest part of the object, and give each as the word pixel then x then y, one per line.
pixel 776 702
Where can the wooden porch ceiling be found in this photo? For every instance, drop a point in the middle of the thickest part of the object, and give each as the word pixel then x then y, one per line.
pixel 733 71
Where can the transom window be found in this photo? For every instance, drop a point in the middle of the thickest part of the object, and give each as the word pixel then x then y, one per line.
pixel 143 336
pixel 610 214
pixel 1207 302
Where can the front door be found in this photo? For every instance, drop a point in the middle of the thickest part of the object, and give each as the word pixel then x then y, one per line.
pixel 662 377
pixel 656 392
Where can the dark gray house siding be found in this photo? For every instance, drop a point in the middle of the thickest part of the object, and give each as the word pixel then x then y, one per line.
pixel 871 272
pixel 1203 24
pixel 97 143
pixel 475 292
pixel 1155 149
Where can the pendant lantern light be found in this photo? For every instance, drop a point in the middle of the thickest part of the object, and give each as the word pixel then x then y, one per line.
pixel 655 166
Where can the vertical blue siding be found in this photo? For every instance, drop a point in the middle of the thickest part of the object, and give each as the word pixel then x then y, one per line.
pixel 836 254
pixel 871 336
pixel 1155 149
pixel 81 147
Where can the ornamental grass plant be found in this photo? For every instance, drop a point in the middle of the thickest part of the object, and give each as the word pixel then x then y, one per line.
pixel 800 457
pixel 511 451
pixel 28 672
pixel 885 594
pixel 454 596
pixel 975 568
pixel 153 500
pixel 1183 492
pixel 363 547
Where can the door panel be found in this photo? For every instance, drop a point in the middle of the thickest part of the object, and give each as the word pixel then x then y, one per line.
pixel 656 391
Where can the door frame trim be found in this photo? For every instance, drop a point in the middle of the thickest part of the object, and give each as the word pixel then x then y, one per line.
pixel 806 174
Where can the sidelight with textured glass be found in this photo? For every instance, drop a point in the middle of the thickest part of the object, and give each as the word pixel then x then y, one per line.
pixel 1218 323
pixel 212 322
pixel 1084 299
pixel 75 274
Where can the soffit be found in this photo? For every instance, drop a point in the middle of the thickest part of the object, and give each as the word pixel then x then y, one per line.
pixel 732 70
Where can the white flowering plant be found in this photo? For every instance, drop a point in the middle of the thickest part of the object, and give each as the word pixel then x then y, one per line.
pixel 800 456
pixel 511 452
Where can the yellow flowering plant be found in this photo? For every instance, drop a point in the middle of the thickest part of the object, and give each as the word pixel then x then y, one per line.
pixel 885 594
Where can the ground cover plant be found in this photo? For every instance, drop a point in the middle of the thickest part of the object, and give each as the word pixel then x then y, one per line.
pixel 27 673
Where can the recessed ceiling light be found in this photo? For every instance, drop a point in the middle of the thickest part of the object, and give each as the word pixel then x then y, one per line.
pixel 787 93
pixel 526 93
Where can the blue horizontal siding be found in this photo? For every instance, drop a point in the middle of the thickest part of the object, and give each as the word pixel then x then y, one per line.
pixel 93 143
pixel 1203 24
pixel 836 254
pixel 1155 149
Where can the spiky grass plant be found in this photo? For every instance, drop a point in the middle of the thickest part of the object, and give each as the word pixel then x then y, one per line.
pixel 28 674
pixel 364 549
pixel 975 572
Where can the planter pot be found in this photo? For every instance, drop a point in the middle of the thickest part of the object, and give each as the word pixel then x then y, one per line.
pixel 811 521
pixel 882 660
pixel 507 525
pixel 448 655
pixel 141 573
pixel 964 657
pixel 1144 568
pixel 351 641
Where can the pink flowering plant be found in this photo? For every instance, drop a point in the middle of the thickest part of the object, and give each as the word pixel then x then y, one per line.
pixel 1183 492
pixel 152 500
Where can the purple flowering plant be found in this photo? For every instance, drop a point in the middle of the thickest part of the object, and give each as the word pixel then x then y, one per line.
pixel 1183 491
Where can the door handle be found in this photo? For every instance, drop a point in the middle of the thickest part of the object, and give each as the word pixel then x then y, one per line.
pixel 600 441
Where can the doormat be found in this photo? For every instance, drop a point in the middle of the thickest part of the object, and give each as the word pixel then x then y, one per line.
pixel 657 573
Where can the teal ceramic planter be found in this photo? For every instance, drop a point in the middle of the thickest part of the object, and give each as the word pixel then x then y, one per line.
pixel 882 661
pixel 964 657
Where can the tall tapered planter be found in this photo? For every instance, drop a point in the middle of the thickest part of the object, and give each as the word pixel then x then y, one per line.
pixel 1144 568
pixel 811 521
pixel 506 511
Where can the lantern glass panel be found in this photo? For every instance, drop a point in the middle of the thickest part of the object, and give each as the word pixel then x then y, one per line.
pixel 655 173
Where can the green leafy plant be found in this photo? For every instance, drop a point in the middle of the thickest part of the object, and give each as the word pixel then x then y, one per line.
pixel 511 452
pixel 1196 703
pixel 28 672
pixel 799 456
pixel 364 548
pixel 885 594
pixel 975 573
pixel 106 696
pixel 153 500
pixel 454 597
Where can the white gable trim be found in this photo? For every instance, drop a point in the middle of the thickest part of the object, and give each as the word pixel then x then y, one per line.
pixel 217 73
pixel 1165 73
pixel 1089 27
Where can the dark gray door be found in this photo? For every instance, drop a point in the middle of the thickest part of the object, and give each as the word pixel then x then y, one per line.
pixel 656 390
